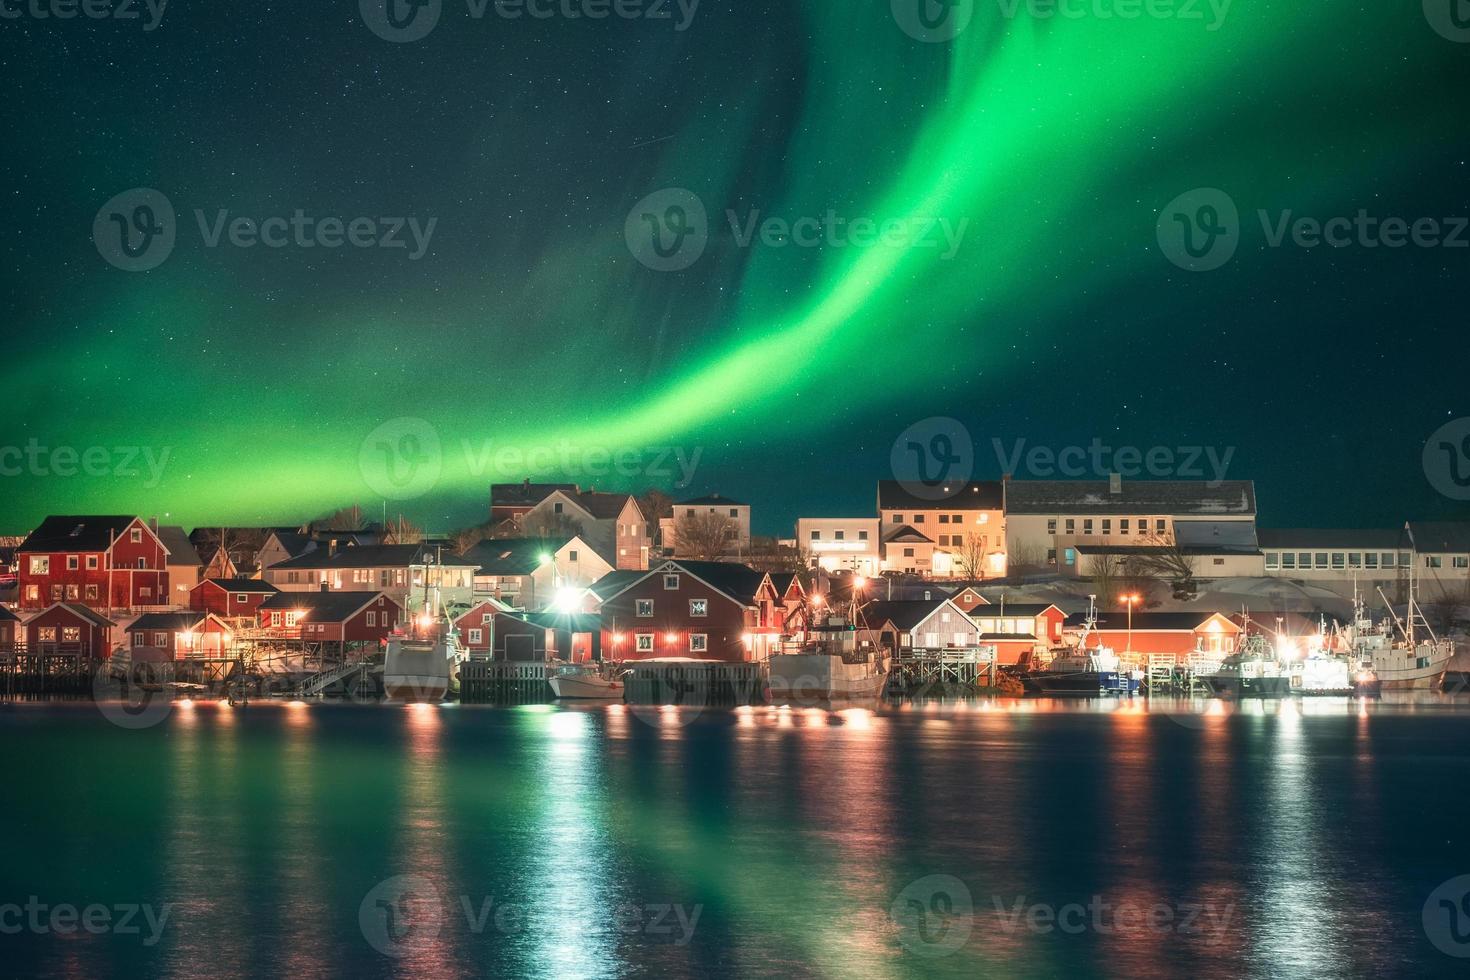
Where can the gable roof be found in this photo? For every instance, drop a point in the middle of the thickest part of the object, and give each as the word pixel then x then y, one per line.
pixel 293 542
pixel 324 607
pixel 76 609
pixel 906 614
pixel 525 493
pixel 739 583
pixel 783 581
pixel 77 533
pixel 1021 609
pixel 246 585
pixel 6 616
pixel 602 506
pixel 180 548
pixel 1142 497
pixel 905 533
pixel 614 582
pixel 975 495
pixel 173 621
pixel 513 556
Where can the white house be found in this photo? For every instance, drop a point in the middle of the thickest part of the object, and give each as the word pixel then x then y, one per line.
pixel 835 543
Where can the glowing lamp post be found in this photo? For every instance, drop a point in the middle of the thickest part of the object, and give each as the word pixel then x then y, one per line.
pixel 1130 601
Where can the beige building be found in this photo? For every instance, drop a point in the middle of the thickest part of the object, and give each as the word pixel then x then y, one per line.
pixel 404 571
pixel 960 535
pixel 842 543
pixel 611 523
pixel 733 510
pixel 1436 553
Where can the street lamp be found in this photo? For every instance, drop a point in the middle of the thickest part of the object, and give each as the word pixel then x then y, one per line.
pixel 1130 600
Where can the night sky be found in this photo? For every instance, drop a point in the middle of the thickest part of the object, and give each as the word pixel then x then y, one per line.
pixel 283 382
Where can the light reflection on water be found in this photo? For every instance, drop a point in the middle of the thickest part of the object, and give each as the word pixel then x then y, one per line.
pixel 1305 833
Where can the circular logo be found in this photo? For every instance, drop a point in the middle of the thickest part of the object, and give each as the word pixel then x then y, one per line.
pixel 401 914
pixel 135 231
pixel 933 459
pixel 401 459
pixel 668 230
pixel 934 915
pixel 1450 18
pixel 130 698
pixel 401 21
pixel 1446 917
pixel 1199 230
pixel 1447 459
pixel 933 21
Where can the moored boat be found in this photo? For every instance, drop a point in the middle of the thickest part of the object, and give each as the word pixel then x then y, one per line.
pixel 1083 671
pixel 1252 672
pixel 585 682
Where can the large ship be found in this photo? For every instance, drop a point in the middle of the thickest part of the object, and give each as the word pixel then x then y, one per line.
pixel 1403 654
pixel 827 665
pixel 424 654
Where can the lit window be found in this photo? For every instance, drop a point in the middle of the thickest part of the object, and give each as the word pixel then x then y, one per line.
pixel 644 642
pixel 40 565
pixel 699 607
pixel 476 637
pixel 698 642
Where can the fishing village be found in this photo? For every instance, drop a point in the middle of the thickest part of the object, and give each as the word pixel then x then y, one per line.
pixel 1114 588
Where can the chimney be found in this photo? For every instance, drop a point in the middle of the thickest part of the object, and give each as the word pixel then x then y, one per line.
pixel 1115 483
pixel 153 524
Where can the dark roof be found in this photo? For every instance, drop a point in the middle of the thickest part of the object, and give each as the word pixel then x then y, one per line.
pixel 1441 536
pixel 1152 549
pixel 903 613
pixel 712 499
pixel 526 493
pixel 1318 537
pixel 740 582
pixel 80 611
pixel 294 542
pixel 993 611
pixel 1142 497
pixel 180 549
pixel 321 607
pixel 615 581
pixel 76 533
pixel 1144 620
pixel 7 616
pixel 167 621
pixel 371 556
pixel 242 584
pixel 512 556
pixel 572 622
pixel 603 506
pixel 976 495
pixel 905 533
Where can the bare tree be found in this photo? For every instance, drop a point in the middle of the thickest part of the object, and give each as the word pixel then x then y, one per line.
pixel 704 536
pixel 549 524
pixel 467 538
pixel 655 504
pixel 401 530
pixel 1025 558
pixel 1165 559
pixel 970 555
pixel 1106 572
pixel 345 519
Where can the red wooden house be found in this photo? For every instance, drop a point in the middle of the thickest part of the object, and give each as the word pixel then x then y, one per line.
pixel 9 625
pixel 103 562
pixel 330 617
pixel 475 626
pixel 1176 633
pixel 68 628
pixel 231 598
pixel 701 609
pixel 178 635
pixel 1017 629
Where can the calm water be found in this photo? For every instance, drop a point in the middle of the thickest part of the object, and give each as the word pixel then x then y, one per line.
pixel 1283 840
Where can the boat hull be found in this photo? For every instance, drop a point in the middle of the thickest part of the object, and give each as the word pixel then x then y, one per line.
pixel 1086 683
pixel 415 687
pixel 805 676
pixel 1233 686
pixel 586 689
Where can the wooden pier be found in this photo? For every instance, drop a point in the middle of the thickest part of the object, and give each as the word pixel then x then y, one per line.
pixel 499 682
pixel 920 672
pixel 695 684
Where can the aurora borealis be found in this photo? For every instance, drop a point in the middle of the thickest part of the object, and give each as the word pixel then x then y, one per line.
pixel 527 327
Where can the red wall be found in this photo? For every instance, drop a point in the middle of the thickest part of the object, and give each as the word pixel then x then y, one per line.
pixel 208 597
pixel 93 638
pixel 128 582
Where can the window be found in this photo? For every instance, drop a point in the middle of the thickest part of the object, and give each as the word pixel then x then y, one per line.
pixel 372 618
pixel 1071 525
pixel 556 508
pixel 1070 556
pixel 1304 559
pixel 1404 559
pixel 1433 561
pixel 698 642
pixel 1370 560
pixel 92 592
pixel 1161 526
pixel 671 582
pixel 1051 556
pixel 486 617
pixel 1051 525
pixel 571 556
pixel 1219 561
pixel 862 535
pixel 918 518
pixel 816 535
pixel 840 535
pixel 1355 559
pixel 56 593
pixel 160 639
pixel 1461 561
pixel 140 639
pixel 145 592
pixel 73 562
pixel 142 562
pixel 734 512
pixel 1107 526
pixel 1338 560
pixel 944 518
pixel 1288 559
pixel 1321 561
pixel 644 642
pixel 1273 560
pixel 33 593
pixel 40 564
pixel 1087 526
pixel 242 598
pixel 73 593
pixel 477 637
pixel 898 518
pixel 643 608
pixel 908 552
pixel 136 535
pixel 699 607
pixel 1123 525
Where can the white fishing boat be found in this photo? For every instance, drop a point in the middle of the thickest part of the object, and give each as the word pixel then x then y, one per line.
pixel 585 682
pixel 1401 654
pixel 826 664
pixel 423 656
